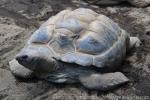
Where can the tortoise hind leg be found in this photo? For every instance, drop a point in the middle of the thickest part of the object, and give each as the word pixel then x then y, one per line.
pixel 134 42
pixel 103 82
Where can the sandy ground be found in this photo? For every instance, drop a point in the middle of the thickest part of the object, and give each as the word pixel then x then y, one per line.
pixel 20 18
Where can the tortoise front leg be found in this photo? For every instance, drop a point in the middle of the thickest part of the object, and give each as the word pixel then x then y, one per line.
pixel 103 82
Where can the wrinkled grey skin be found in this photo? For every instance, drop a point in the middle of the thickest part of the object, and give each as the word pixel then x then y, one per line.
pixel 137 3
pixel 71 47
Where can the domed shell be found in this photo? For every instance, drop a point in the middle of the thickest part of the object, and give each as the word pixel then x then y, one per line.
pixel 83 37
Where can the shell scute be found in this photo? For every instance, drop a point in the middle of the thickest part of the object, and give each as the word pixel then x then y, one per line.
pixel 78 58
pixel 71 24
pixel 90 45
pixel 42 35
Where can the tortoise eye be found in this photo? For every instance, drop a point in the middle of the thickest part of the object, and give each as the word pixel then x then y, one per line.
pixel 42 35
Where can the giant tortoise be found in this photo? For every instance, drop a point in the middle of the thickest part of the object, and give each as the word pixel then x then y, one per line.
pixel 76 46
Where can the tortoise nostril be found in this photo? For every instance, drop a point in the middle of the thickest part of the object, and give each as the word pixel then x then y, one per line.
pixel 23 57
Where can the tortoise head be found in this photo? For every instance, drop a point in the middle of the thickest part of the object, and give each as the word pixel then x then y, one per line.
pixel 36 55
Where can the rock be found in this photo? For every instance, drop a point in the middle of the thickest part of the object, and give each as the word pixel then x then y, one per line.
pixel 6 79
pixel 112 10
pixel 142 17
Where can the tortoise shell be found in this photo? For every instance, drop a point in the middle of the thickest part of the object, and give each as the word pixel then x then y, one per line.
pixel 83 37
